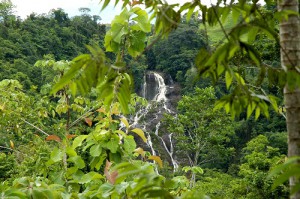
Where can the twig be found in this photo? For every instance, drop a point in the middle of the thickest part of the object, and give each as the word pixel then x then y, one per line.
pixel 220 23
pixel 3 147
pixel 82 116
pixel 35 127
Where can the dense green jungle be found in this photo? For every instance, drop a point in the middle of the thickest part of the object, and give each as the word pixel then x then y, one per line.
pixel 71 87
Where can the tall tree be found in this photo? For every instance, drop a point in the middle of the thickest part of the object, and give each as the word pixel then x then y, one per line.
pixel 290 61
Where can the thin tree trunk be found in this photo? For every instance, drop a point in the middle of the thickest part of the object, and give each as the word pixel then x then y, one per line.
pixel 290 61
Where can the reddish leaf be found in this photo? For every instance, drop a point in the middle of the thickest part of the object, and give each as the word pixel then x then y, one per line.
pixel 70 136
pixel 135 3
pixel 111 177
pixel 88 121
pixel 53 137
pixel 101 110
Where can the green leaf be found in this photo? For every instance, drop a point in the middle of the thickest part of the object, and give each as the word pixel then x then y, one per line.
pixel 112 144
pixel 239 79
pixel 105 4
pixel 252 33
pixel 78 141
pixel 78 161
pixel 56 155
pixel 89 177
pixel 129 144
pixel 142 19
pixel 190 13
pixel 250 108
pixel 293 170
pixel 196 169
pixel 136 43
pixel 106 190
pixel 41 193
pixel 13 193
pixel 257 112
pixel 70 151
pixel 96 150
pixel 228 79
pixel 123 95
pixel 118 31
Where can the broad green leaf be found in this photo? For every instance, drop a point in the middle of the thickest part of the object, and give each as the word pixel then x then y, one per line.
pixel 118 31
pixel 140 133
pixel 293 170
pixel 78 141
pixel 196 169
pixel 136 43
pixel 190 13
pixel 96 150
pixel 90 177
pixel 13 193
pixel 106 190
pixel 252 33
pixel 71 171
pixel 70 151
pixel 41 193
pixel 78 161
pixel 112 144
pixel 129 144
pixel 56 155
pixel 142 20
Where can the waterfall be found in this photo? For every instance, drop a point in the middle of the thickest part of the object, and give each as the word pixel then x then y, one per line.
pixel 154 90
pixel 162 90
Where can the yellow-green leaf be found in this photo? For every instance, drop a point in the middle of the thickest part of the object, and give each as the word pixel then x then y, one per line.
pixel 228 79
pixel 140 133
pixel 125 122
pixel 156 159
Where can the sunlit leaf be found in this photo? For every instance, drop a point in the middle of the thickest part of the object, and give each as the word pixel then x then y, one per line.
pixel 86 178
pixel 125 122
pixel 228 79
pixel 78 161
pixel 78 140
pixel 96 150
pixel 12 145
pixel 157 159
pixel 129 144
pixel 140 133
pixel 140 151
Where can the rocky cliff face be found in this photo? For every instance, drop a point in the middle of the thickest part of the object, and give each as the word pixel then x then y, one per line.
pixel 162 95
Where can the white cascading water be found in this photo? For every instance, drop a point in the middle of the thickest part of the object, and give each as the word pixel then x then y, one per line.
pixel 160 97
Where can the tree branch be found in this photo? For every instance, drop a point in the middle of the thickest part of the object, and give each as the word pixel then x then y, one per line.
pixel 37 128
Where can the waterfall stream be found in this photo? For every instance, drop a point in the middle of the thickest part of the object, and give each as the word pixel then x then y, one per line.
pixel 155 90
